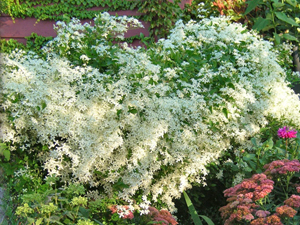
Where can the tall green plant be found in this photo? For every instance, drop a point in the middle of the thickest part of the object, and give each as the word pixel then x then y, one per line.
pixel 277 20
pixel 193 212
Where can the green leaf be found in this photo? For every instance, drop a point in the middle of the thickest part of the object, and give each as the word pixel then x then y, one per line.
pixel 39 221
pixel 98 222
pixel 30 220
pixel 289 37
pixel 6 154
pixel 251 6
pixel 225 111
pixel 192 209
pixel 84 212
pixel 278 4
pixel 292 2
pixel 282 16
pixel 207 220
pixel 253 140
pixel 249 157
pixel 3 147
pixel 231 85
pixel 277 38
pixel 261 23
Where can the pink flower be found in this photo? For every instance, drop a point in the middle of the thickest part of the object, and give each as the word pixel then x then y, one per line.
pixel 273 219
pixel 286 133
pixel 286 211
pixel 248 217
pixel 293 201
pixel 162 216
pixel 282 166
pixel 262 213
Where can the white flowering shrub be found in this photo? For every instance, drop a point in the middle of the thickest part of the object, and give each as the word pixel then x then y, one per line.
pixel 143 121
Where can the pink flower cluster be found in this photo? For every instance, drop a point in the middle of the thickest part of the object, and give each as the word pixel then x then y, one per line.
pixel 257 187
pixel 293 201
pixel 240 209
pixel 244 197
pixel 241 206
pixel 123 211
pixel 270 220
pixel 286 211
pixel 282 167
pixel 162 217
pixel 285 132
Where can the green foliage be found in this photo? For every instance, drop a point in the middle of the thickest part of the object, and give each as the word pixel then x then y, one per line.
pixel 61 10
pixel 193 212
pixel 34 43
pixel 197 9
pixel 276 20
pixel 162 14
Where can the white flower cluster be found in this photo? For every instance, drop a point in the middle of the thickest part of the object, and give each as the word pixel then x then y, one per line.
pixel 159 119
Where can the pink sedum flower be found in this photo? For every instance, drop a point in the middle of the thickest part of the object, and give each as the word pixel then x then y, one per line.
pixel 262 213
pixel 293 201
pixel 285 132
pixel 286 211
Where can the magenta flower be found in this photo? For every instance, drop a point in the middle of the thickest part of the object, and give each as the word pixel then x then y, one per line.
pixel 285 132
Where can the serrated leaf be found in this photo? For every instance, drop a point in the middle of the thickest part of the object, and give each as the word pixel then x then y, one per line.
pixel 289 37
pixel 283 17
pixel 251 6
pixel 261 23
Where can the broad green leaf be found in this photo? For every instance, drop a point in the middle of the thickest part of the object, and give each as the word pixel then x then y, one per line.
pixel 249 157
pixel 225 111
pixel 292 2
pixel 283 17
pixel 6 154
pixel 3 147
pixel 277 39
pixel 84 212
pixel 251 6
pixel 39 221
pixel 261 23
pixel 192 209
pixel 290 37
pixel 278 4
pixel 30 220
pixel 207 220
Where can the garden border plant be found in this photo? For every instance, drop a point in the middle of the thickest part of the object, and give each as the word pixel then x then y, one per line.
pixel 86 56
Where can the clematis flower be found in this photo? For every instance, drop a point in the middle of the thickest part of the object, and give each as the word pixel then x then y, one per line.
pixel 285 132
